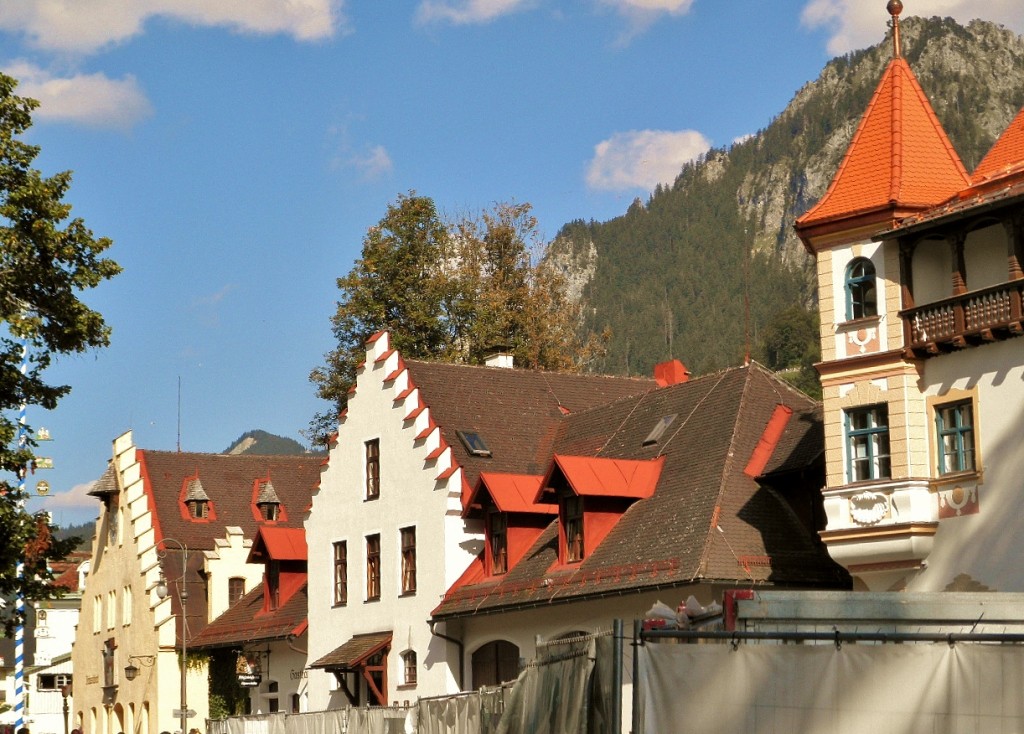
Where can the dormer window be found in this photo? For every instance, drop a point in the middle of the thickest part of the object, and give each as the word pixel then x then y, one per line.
pixel 196 499
pixel 572 514
pixel 497 535
pixel 861 294
pixel 268 502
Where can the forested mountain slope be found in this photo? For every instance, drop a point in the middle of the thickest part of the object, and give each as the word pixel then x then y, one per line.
pixel 669 277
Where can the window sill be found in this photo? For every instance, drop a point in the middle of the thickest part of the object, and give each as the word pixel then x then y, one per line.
pixel 339 605
pixel 973 477
pixel 404 594
pixel 406 687
pixel 372 601
pixel 850 324
pixel 371 499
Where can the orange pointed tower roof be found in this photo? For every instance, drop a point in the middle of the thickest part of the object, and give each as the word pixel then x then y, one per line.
pixel 1006 155
pixel 900 160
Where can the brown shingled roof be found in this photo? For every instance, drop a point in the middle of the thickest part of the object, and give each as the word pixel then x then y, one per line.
pixel 354 652
pixel 228 481
pixel 707 520
pixel 516 412
pixel 245 621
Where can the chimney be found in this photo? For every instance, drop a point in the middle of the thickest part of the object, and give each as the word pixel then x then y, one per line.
pixel 499 356
pixel 672 372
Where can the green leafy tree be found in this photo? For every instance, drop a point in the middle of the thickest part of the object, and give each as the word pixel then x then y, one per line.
pixel 792 345
pixel 46 260
pixel 451 292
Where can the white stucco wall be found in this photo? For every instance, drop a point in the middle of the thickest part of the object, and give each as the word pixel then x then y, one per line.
pixel 410 496
pixel 987 546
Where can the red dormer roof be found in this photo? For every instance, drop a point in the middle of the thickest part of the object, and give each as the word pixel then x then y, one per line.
pixel 598 477
pixel 278 544
pixel 511 493
pixel 1006 155
pixel 900 161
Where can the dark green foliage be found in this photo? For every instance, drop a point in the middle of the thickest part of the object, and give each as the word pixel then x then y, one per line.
pixel 46 260
pixel 672 275
pixel 227 698
pixel 451 292
pixel 265 444
pixel 791 344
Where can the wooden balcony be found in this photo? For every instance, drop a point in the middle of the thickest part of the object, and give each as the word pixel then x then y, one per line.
pixel 969 319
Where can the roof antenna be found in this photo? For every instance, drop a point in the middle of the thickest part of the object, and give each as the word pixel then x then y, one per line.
pixel 179 414
pixel 895 7
pixel 746 298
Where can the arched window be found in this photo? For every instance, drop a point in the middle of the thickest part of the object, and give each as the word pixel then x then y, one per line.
pixel 861 295
pixel 409 667
pixel 494 663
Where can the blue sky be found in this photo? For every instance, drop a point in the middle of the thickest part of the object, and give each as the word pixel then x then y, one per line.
pixel 236 151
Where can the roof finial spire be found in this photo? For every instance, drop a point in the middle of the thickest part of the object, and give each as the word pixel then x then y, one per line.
pixel 895 7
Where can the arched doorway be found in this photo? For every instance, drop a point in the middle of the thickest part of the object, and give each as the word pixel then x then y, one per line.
pixel 494 663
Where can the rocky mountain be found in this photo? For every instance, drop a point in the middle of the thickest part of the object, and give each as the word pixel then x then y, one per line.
pixel 677 275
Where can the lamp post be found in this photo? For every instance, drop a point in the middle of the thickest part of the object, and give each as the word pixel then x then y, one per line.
pixel 161 591
pixel 65 691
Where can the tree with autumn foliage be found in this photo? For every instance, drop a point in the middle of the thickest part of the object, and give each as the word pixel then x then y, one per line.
pixel 46 260
pixel 451 291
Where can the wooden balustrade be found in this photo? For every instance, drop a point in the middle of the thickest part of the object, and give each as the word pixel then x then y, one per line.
pixel 985 315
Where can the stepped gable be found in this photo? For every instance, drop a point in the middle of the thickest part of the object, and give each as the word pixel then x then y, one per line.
pixel 515 412
pixel 1006 155
pixel 245 621
pixel 900 161
pixel 706 521
pixel 228 481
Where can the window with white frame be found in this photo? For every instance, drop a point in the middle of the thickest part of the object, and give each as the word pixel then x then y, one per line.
pixel 954 427
pixel 97 613
pixel 409 667
pixel 861 290
pixel 111 609
pixel 867 443
pixel 126 605
pixel 341 573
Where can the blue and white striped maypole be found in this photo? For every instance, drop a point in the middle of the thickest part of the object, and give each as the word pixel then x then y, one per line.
pixel 19 603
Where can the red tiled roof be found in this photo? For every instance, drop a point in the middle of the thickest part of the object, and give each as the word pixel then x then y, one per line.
pixel 600 477
pixel 1006 154
pixel 279 544
pixel 900 157
pixel 512 492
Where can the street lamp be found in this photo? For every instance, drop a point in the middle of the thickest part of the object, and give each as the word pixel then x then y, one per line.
pixel 131 670
pixel 161 592
pixel 65 691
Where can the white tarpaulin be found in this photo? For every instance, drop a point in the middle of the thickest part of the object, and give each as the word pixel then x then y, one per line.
pixel 819 689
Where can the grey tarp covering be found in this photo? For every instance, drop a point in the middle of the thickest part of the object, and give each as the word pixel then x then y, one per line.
pixel 822 689
pixel 340 721
pixel 554 693
pixel 472 713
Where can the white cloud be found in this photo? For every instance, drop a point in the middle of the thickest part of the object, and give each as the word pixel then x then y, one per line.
pixel 374 163
pixel 88 99
pixel 83 27
pixel 75 498
pixel 672 7
pixel 854 24
pixel 643 158
pixel 465 12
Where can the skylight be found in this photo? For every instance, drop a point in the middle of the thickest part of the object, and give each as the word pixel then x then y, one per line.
pixel 659 429
pixel 474 443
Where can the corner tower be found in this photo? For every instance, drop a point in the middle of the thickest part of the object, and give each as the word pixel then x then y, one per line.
pixel 882 515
